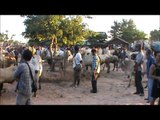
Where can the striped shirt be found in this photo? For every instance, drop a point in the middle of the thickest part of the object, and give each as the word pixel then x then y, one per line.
pixel 150 61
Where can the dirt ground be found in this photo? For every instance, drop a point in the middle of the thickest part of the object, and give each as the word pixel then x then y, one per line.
pixel 56 90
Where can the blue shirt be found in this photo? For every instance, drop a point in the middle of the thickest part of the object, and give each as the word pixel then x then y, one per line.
pixel 150 61
pixel 95 63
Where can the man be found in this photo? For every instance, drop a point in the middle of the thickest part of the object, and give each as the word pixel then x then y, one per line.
pixel 23 75
pixel 77 61
pixel 150 61
pixel 138 71
pixel 95 70
pixel 154 73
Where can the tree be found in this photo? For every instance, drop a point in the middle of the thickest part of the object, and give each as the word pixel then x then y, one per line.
pixel 68 29
pixel 115 32
pixel 41 26
pixel 155 35
pixel 2 37
pixel 97 37
pixel 127 30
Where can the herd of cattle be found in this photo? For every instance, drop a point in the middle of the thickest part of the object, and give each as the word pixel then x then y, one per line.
pixel 8 64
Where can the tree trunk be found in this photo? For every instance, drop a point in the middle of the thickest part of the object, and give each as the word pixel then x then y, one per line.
pixel 53 44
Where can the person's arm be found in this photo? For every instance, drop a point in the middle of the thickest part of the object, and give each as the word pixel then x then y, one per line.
pixel 18 72
pixel 80 58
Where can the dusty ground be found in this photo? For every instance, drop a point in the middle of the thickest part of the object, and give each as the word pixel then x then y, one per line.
pixel 112 90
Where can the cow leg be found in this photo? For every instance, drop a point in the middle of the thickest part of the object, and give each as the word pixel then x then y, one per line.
pixel 53 66
pixel 39 83
pixel 1 87
pixel 146 85
pixel 35 94
pixel 129 81
pixel 86 67
pixel 108 70
pixel 114 65
pixel 108 67
pixel 104 66
pixel 61 65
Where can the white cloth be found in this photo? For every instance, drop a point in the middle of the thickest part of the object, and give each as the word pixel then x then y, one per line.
pixel 77 59
pixel 61 53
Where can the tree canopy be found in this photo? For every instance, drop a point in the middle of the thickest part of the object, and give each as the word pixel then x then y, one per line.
pixel 3 37
pixel 126 29
pixel 155 35
pixel 67 29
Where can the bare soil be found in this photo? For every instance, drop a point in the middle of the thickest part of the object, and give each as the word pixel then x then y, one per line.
pixel 56 90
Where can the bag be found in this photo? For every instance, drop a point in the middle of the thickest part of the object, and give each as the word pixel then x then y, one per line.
pixel 78 67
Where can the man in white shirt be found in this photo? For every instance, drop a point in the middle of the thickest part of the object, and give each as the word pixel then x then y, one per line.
pixel 77 66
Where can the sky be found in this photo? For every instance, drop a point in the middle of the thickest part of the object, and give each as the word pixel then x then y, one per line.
pixel 14 25
pixel 99 23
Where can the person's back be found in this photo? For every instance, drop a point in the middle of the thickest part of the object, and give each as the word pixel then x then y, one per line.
pixel 25 81
pixel 156 83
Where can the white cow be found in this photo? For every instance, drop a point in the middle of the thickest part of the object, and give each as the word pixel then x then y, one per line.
pixel 6 76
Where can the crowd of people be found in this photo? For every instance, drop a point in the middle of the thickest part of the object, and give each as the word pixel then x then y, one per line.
pixel 152 72
pixel 33 57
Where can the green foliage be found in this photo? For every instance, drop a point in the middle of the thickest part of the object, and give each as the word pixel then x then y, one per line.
pixel 3 37
pixel 127 30
pixel 41 26
pixel 33 42
pixel 67 29
pixel 155 35
pixel 98 35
